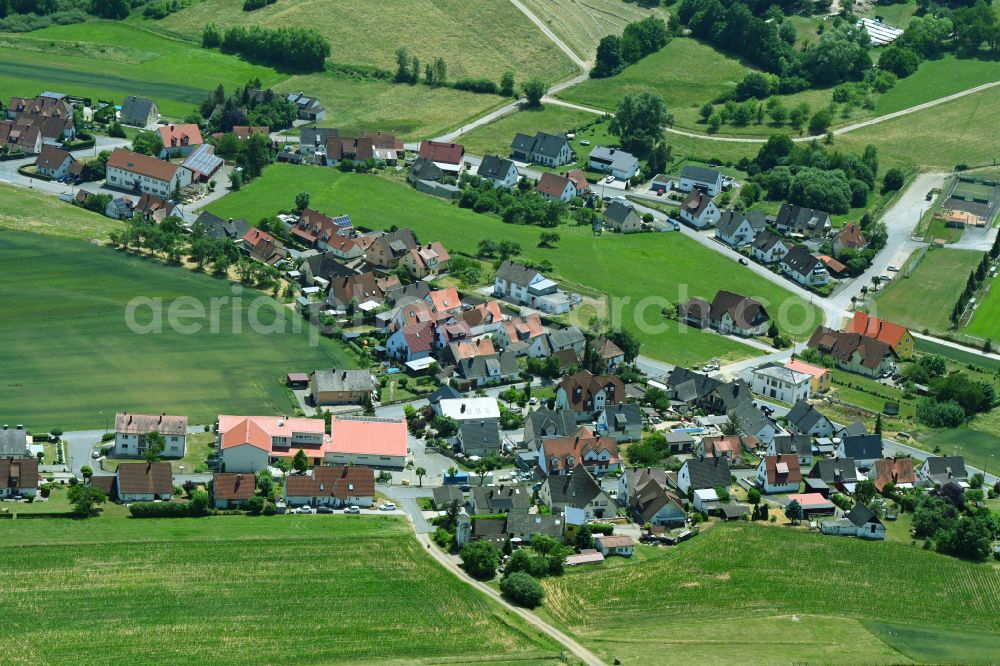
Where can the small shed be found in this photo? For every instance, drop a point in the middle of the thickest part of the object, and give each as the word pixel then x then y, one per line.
pixel 297 380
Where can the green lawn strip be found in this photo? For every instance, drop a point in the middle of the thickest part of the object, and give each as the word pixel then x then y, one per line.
pixel 39 212
pixel 939 646
pixel 477 39
pixel 645 271
pixel 959 355
pixel 735 573
pixel 986 320
pixel 925 298
pixel 368 603
pixel 117 59
pixel 71 346
pixel 868 393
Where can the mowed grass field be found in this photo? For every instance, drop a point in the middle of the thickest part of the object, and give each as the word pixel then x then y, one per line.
pixel 581 24
pixel 643 272
pixel 754 594
pixel 42 213
pixel 986 320
pixel 109 60
pixel 477 38
pixel 69 353
pixel 238 590
pixel 925 298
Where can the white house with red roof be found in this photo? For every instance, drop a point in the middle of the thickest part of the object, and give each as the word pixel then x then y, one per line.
pixel 524 335
pixel 779 474
pixel 366 441
pixel 559 455
pixel 894 335
pixel 413 342
pixel 251 443
pixel 179 139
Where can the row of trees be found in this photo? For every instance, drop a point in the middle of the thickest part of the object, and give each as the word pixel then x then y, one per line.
pixel 435 73
pixel 637 41
pixel 299 49
pixel 521 205
pixel 220 113
pixel 972 285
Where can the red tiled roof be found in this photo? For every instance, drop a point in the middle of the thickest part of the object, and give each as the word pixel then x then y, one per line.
pixel 524 328
pixel 255 236
pixel 174 136
pixel 51 157
pixel 436 151
pixel 259 430
pixel 445 300
pixel 340 481
pixel 144 165
pixel 880 329
pixel 581 387
pixel 577 446
pixel 18 473
pixel 145 478
pixel 809 369
pixel 232 486
pixel 243 132
pixel 851 237
pixel 579 180
pixel 419 337
pixel 552 184
pixel 783 469
pixel 896 470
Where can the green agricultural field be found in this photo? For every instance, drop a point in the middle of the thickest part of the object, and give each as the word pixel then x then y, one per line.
pixel 985 322
pixel 924 300
pixel 477 38
pixel 685 72
pixel 31 210
pixel 229 589
pixel 646 272
pixel 581 24
pixel 69 354
pixel 413 112
pixel 957 355
pixel 757 594
pixel 109 60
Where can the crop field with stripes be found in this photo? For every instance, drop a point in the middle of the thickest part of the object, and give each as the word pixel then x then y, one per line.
pixel 582 23
pixel 241 590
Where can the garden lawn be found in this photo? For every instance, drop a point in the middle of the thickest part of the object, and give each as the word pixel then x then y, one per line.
pixel 199 447
pixel 379 599
pixel 581 24
pixel 476 38
pixel 108 60
pixel 495 138
pixel 924 299
pixel 985 322
pixel 69 354
pixel 42 213
pixel 412 112
pixel 644 272
pixel 957 355
pixel 788 585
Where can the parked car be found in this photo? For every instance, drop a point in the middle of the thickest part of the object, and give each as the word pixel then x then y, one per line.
pixel 303 509
pixel 95 454
pixel 892 268
pixel 584 142
pixel 352 509
pixel 388 506
pixel 324 509
pixel 533 401
pixel 743 260
pixel 609 179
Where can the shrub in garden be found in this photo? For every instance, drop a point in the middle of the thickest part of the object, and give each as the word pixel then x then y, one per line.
pixel 523 590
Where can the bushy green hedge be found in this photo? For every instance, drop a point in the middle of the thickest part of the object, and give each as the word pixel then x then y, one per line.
pixel 523 590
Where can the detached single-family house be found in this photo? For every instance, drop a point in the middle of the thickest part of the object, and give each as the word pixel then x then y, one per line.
pixel 709 180
pixel 446 156
pixel 479 437
pixel 769 247
pixel 611 355
pixel 699 210
pixel 894 335
pixel 558 455
pixel 54 162
pixel 797 445
pixel 897 471
pixel 778 382
pixel 577 490
pixel 729 447
pixel 702 473
pixel 822 378
pixel 341 387
pixel 502 173
pixel 425 260
pixel 14 442
pixel 214 226
pixel 230 490
pixel 849 238
pixel 840 473
pixel 543 148
pixel 623 422
pixel 18 477
pixel 859 521
pixel 389 249
pixel 854 352
pixel 644 492
pixel 579 180
pixel 555 187
pixel 587 394
pixel 19 137
pixel 750 420
pixel 545 422
pixel 144 482
pixel 622 217
pixel 332 485
pixel 525 336
pixel 779 474
pixel 412 342
pixel 570 337
pixel 733 314
pixel 126 170
pixel 179 140
pixel 940 470
pixel 613 161
pixel 804 267
pixel 309 108
pixel 615 544
pixel 131 432
pixel 491 500
pixel 487 369
pixel 802 221
pixel 139 111
pixel 806 419
pixel 739 228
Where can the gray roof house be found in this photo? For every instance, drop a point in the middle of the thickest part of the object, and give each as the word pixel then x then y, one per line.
pixel 139 111
pixel 944 469
pixel 216 227
pixel 803 267
pixel 810 223
pixel 739 228
pixel 499 171
pixel 526 525
pixel 313 139
pixel 488 500
pixel 792 445
pixel 445 495
pixel 341 386
pixel 623 422
pixel 577 490
pixel 570 337
pixel 620 164
pixel 804 418
pixel 444 392
pixel 488 368
pixel 479 437
pixel 864 449
pixel 854 429
pixel 836 472
pixel 704 178
pixel 545 422
pixel 13 442
pixel 699 473
pixel 622 217
pixel 543 148
pixel 424 169
pixel 769 247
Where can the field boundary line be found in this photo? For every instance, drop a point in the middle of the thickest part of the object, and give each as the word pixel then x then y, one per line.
pixel 570 53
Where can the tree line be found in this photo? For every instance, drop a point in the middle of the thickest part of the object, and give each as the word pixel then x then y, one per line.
pixel 972 285
pixel 638 40
pixel 299 49
pixel 435 73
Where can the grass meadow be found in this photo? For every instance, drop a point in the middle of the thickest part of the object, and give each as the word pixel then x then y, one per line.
pixel 925 298
pixel 756 594
pixel 986 320
pixel 232 589
pixel 477 38
pixel 38 212
pixel 70 352
pixel 667 267
pixel 581 24
pixel 109 60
